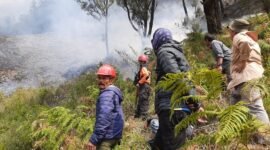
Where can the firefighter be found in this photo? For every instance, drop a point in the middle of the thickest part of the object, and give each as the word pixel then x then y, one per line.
pixel 109 114
pixel 143 88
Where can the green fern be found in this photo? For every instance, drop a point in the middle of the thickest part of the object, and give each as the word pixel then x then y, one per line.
pixel 181 83
pixel 231 121
pixel 260 84
pixel 234 121
pixel 210 81
pixel 56 125
pixel 192 119
pixel 265 50
pixel 197 98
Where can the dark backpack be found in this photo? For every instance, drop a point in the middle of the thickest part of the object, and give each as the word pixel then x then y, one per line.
pixel 136 78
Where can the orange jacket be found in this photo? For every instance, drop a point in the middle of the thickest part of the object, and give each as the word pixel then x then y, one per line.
pixel 144 76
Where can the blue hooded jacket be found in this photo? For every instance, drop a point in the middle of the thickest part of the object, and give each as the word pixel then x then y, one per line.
pixel 109 116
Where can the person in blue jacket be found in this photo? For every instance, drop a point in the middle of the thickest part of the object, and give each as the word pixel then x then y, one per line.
pixel 109 114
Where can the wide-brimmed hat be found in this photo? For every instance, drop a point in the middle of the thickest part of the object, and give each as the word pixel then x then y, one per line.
pixel 239 25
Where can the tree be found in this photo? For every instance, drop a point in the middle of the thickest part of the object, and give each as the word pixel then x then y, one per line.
pixel 98 9
pixel 185 8
pixel 140 14
pixel 221 7
pixel 266 5
pixel 213 15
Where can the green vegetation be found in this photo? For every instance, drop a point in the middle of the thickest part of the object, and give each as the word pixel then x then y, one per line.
pixel 63 117
pixel 54 118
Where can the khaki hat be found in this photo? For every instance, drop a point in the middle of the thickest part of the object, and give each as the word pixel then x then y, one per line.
pixel 239 25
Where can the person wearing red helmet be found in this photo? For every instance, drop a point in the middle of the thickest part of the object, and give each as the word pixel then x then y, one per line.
pixel 143 88
pixel 109 114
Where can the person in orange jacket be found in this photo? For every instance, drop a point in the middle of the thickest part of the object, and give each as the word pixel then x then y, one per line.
pixel 144 88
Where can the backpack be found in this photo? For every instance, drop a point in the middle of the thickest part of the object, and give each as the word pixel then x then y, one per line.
pixel 136 78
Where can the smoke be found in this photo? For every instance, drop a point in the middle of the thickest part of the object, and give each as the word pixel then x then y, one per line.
pixel 53 37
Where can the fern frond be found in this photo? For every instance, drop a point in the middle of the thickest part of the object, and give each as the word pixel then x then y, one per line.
pixel 260 84
pixel 248 129
pixel 175 103
pixel 210 80
pixel 172 81
pixel 84 128
pixel 180 90
pixel 231 121
pixel 191 119
pixel 57 124
pixel 180 84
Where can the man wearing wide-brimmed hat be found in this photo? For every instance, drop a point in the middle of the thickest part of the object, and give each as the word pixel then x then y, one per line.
pixel 246 65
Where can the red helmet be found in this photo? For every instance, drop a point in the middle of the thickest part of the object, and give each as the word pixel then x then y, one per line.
pixel 143 58
pixel 106 70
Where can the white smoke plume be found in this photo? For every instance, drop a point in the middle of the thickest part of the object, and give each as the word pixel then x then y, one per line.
pixel 48 38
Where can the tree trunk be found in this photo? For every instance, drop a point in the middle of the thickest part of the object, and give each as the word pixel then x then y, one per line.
pixel 129 17
pixel 152 14
pixel 106 36
pixel 221 7
pixel 266 5
pixel 185 8
pixel 145 24
pixel 145 19
pixel 106 30
pixel 213 15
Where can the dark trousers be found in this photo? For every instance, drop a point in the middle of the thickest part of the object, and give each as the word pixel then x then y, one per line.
pixel 226 70
pixel 165 138
pixel 143 102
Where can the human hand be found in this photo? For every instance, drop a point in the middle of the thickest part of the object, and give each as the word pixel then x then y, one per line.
pixel 90 146
pixel 201 120
pixel 219 68
pixel 200 109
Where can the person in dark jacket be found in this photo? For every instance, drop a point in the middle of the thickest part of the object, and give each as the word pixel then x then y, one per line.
pixel 170 59
pixel 109 114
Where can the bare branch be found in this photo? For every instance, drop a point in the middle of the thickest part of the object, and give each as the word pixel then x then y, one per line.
pixel 128 13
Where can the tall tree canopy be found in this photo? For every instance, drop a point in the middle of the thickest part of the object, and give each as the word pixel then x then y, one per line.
pixel 140 14
pixel 98 9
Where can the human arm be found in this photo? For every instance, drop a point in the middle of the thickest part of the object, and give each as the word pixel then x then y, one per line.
pixel 219 63
pixel 218 51
pixel 244 52
pixel 197 107
pixel 202 120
